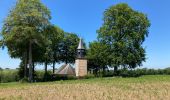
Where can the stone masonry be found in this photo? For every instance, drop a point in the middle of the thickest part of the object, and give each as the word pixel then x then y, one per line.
pixel 81 67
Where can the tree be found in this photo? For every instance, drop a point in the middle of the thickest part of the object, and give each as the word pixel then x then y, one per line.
pixel 68 48
pixel 124 30
pixel 97 56
pixel 50 52
pixel 25 27
pixel 56 35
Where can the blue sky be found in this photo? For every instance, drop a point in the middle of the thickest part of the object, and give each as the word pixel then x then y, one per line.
pixel 84 17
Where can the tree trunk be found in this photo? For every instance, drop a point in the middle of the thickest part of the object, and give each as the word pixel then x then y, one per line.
pixel 33 70
pixel 53 67
pixel 45 67
pixel 25 64
pixel 95 71
pixel 66 61
pixel 104 71
pixel 45 74
pixel 115 70
pixel 30 62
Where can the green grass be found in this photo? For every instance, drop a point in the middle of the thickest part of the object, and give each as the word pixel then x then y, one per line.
pixel 106 81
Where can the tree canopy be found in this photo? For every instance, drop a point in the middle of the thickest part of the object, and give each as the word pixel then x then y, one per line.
pixel 124 30
pixel 68 47
pixel 25 27
pixel 97 56
pixel 120 38
pixel 29 36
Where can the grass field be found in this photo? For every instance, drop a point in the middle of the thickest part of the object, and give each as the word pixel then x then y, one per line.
pixel 142 88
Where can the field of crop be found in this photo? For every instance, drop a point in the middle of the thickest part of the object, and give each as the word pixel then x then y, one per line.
pixel 142 88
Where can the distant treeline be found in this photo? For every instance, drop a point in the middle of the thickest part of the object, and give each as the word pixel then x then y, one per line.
pixel 140 72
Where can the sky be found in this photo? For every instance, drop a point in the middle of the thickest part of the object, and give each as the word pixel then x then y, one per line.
pixel 84 17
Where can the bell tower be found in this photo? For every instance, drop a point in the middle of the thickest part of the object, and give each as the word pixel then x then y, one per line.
pixel 81 61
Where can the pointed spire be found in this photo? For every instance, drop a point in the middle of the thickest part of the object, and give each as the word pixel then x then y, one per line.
pixel 80 46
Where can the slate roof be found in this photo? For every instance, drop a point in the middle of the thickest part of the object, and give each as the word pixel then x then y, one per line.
pixel 66 69
pixel 81 46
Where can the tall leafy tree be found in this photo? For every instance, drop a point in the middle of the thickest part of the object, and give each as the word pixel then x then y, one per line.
pixel 68 47
pixel 25 27
pixel 124 30
pixel 50 52
pixel 56 35
pixel 98 56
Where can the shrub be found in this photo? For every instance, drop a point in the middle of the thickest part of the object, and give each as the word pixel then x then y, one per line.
pixel 109 73
pixel 41 76
pixel 167 71
pixel 9 76
pixel 24 80
pixel 129 73
pixel 89 76
pixel 71 77
pixel 64 77
pixel 48 76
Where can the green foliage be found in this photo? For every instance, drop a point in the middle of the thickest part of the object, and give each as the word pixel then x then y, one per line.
pixel 41 76
pixel 21 70
pixel 24 31
pixel 68 48
pixel 97 55
pixel 56 37
pixel 8 76
pixel 1 69
pixel 24 80
pixel 62 77
pixel 47 76
pixel 129 73
pixel 29 36
pixel 88 76
pixel 26 21
pixel 50 53
pixel 124 30
pixel 1 43
pixel 139 72
pixel 166 71
pixel 71 77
